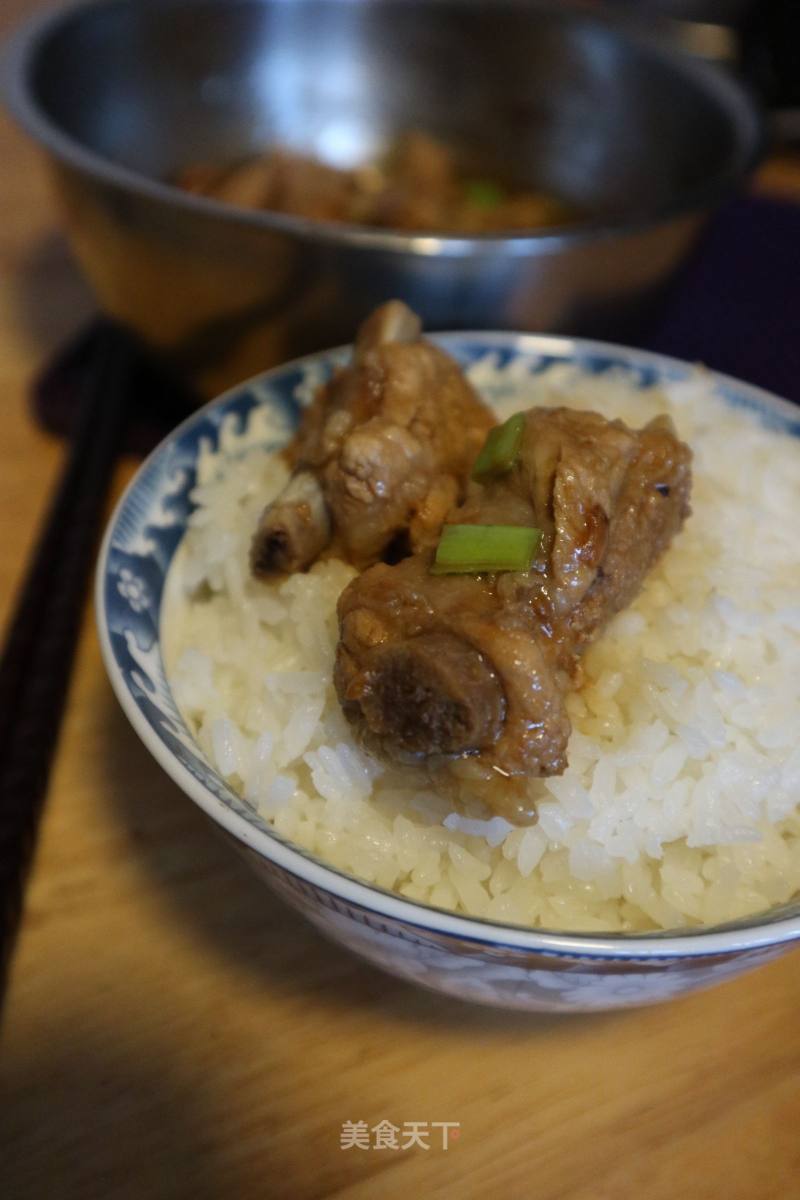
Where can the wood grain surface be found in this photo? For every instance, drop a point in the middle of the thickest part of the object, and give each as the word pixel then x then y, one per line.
pixel 172 1031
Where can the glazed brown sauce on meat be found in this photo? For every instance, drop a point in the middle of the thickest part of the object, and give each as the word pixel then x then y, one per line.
pixel 382 455
pixel 609 500
pixel 468 673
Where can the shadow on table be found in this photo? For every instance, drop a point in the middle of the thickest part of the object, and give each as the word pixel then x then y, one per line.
pixel 84 1119
pixel 248 927
pixel 50 299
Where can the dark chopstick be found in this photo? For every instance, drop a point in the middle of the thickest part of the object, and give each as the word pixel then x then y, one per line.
pixel 39 647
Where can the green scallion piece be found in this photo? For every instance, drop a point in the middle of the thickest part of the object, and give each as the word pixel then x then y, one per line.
pixel 470 549
pixel 482 193
pixel 500 450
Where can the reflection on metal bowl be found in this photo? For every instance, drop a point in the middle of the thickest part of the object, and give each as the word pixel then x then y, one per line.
pixel 123 94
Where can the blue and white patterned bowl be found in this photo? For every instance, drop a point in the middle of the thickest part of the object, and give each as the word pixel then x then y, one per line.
pixel 470 958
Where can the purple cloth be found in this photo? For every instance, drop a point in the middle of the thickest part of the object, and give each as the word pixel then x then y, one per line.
pixel 735 306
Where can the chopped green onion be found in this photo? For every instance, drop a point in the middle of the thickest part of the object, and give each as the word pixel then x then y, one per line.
pixel 483 193
pixel 500 450
pixel 470 549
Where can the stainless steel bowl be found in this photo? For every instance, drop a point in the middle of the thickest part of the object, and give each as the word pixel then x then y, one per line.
pixel 122 93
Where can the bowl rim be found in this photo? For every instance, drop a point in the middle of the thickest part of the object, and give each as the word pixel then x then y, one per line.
pixel 749 933
pixel 732 96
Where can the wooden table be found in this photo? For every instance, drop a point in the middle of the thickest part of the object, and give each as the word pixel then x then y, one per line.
pixel 173 1031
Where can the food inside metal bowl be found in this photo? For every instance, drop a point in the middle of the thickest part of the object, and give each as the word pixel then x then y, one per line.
pixel 415 186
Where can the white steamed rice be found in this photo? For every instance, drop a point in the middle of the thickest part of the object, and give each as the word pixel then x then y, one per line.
pixel 680 804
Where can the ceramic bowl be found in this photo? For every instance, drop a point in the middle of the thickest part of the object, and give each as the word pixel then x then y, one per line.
pixel 471 958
